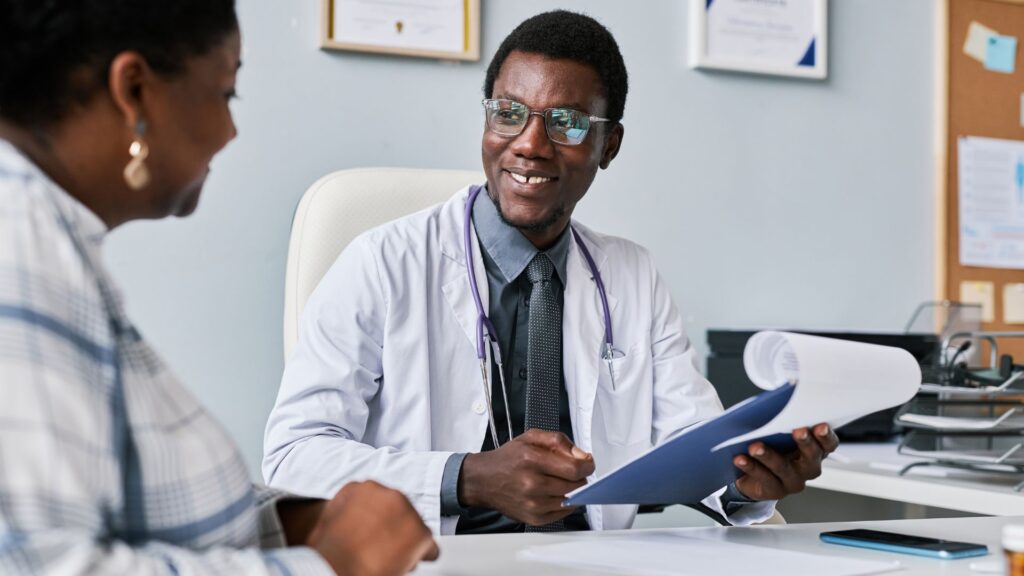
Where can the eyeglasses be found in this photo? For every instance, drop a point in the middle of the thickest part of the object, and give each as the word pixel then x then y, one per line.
pixel 563 125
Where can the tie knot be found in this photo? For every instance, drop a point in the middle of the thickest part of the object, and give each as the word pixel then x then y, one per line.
pixel 540 269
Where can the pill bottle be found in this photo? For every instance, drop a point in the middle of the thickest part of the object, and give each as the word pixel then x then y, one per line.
pixel 1013 548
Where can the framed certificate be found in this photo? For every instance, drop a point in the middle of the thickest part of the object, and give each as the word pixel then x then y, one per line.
pixel 445 29
pixel 782 37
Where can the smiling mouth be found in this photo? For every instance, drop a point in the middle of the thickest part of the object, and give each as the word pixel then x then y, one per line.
pixel 522 179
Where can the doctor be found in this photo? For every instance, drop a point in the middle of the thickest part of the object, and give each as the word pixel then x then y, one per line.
pixel 495 320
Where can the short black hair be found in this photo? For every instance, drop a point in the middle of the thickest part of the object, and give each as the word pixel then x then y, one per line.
pixel 573 36
pixel 56 53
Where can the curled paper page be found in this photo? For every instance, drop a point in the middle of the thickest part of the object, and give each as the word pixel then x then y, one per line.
pixel 808 379
pixel 836 381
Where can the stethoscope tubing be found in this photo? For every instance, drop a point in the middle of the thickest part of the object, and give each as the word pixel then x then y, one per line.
pixel 482 321
pixel 485 328
pixel 600 288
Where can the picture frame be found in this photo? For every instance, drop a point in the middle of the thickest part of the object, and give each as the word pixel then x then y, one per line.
pixel 776 37
pixel 441 29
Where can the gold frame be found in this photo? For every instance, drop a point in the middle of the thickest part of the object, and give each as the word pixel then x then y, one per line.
pixel 471 40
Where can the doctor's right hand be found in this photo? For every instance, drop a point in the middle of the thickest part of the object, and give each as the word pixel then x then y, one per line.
pixel 370 530
pixel 526 478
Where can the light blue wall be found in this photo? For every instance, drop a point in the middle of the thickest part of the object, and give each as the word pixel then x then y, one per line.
pixel 766 201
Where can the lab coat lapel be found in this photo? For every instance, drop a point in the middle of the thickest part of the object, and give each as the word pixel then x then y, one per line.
pixel 456 283
pixel 583 334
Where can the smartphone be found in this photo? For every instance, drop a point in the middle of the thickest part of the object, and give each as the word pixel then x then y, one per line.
pixel 905 544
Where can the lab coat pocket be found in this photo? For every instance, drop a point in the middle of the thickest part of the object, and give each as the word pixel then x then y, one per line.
pixel 626 407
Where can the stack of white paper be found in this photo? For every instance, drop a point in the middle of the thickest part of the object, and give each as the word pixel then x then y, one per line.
pixel 1004 422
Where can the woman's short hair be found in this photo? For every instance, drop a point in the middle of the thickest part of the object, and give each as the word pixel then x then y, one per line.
pixel 57 53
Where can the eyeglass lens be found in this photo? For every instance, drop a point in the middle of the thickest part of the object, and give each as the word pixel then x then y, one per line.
pixel 563 125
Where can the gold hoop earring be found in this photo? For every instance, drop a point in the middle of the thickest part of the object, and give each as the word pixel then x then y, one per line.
pixel 136 174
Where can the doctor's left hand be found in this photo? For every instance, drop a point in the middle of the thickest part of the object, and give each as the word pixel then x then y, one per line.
pixel 769 475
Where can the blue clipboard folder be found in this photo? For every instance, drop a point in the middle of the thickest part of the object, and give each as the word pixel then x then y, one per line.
pixel 684 469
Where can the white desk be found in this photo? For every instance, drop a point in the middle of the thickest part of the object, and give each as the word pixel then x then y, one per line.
pixel 497 555
pixel 872 470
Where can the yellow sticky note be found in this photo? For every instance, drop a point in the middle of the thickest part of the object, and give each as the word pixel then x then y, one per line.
pixel 1013 303
pixel 976 45
pixel 983 293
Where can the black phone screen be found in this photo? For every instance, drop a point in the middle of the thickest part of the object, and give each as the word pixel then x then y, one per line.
pixel 904 540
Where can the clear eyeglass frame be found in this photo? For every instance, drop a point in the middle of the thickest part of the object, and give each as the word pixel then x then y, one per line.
pixel 564 126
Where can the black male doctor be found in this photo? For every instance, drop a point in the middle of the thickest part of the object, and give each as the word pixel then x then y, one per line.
pixel 386 381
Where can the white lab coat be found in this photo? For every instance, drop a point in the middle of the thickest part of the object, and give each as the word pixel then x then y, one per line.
pixel 384 383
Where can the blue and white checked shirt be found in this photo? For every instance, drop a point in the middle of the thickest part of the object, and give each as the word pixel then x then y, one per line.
pixel 107 463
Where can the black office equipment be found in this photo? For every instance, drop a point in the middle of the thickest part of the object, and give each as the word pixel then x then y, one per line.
pixel 725 371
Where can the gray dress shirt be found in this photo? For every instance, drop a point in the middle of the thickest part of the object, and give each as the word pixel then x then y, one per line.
pixel 506 254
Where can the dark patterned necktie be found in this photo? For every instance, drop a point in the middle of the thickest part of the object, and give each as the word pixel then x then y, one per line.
pixel 543 358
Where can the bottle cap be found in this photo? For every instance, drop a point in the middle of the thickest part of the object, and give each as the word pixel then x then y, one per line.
pixel 1013 537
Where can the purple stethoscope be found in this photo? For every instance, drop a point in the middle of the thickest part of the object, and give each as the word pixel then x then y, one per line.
pixel 485 329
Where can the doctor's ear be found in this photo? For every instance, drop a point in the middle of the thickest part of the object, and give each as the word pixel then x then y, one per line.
pixel 612 143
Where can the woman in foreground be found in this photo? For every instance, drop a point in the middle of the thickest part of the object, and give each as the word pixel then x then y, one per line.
pixel 111 111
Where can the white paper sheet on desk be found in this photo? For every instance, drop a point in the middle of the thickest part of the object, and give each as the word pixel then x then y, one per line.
pixel 670 554
pixel 836 380
pixel 956 423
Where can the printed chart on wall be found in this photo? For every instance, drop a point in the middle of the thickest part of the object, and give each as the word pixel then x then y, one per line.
pixel 991 202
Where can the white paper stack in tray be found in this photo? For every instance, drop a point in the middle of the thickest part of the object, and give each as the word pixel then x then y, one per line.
pixel 968 428
pixel 1009 420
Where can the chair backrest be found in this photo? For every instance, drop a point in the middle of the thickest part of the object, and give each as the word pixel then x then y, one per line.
pixel 342 205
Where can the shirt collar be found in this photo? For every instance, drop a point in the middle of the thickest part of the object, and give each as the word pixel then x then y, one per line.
pixel 507 246
pixel 85 222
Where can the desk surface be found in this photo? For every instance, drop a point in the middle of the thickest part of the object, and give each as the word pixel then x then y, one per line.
pixel 497 555
pixel 872 470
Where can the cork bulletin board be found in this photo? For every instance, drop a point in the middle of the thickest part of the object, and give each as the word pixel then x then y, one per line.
pixel 978 101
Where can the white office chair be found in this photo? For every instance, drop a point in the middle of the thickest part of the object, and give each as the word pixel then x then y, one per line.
pixel 342 205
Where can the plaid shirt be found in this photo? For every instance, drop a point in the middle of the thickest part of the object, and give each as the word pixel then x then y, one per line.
pixel 107 463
